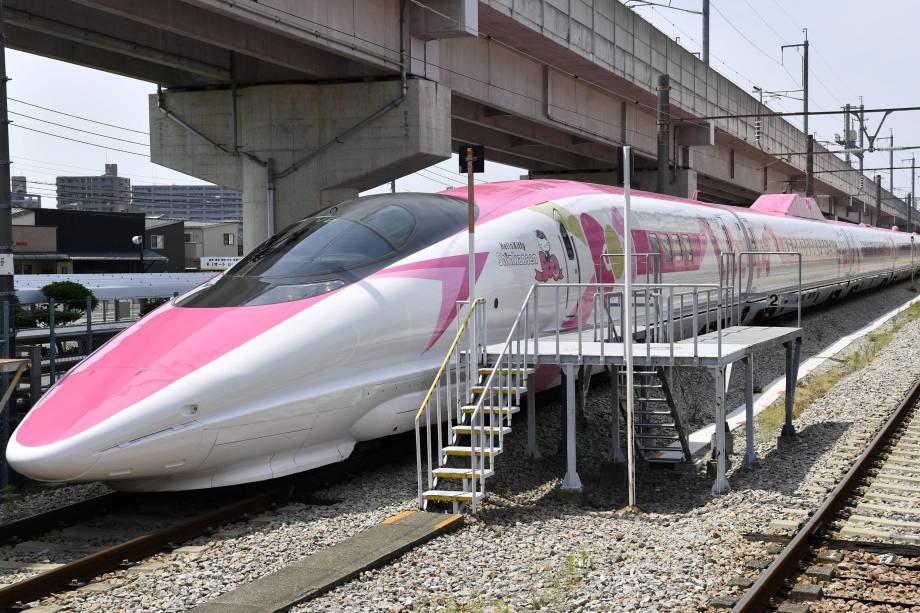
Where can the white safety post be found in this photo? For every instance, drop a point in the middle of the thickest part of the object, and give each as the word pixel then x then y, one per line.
pixel 627 331
pixel 471 212
pixel 473 364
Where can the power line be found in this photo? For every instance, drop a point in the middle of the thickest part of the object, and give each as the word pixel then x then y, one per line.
pixel 61 125
pixel 76 140
pixel 794 113
pixel 102 123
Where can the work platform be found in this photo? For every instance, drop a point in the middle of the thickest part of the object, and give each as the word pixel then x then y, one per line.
pixel 480 385
pixel 707 350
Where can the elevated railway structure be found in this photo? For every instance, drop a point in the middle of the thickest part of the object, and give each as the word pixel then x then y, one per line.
pixel 303 104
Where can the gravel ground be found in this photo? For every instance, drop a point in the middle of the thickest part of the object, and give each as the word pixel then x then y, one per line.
pixel 534 547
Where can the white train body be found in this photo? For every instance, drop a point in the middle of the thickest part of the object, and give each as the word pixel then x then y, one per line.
pixel 327 336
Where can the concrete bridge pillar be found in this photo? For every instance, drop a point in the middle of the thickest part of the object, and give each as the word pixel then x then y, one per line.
pixel 302 146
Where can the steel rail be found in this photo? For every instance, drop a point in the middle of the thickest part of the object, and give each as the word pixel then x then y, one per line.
pixel 757 598
pixel 73 573
pixel 22 529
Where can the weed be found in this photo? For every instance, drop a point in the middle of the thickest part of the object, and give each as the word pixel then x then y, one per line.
pixel 813 387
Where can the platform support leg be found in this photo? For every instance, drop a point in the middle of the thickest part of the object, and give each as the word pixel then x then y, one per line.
pixel 616 452
pixel 792 374
pixel 571 481
pixel 720 486
pixel 750 456
pixel 584 381
pixel 533 451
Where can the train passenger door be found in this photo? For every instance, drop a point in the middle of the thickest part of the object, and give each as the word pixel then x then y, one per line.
pixel 571 262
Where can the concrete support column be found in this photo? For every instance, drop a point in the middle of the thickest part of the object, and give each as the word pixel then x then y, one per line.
pixel 750 456
pixel 326 142
pixel 571 481
pixel 720 485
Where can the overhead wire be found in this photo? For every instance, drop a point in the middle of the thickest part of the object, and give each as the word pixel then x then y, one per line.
pixel 45 108
pixel 61 125
pixel 76 140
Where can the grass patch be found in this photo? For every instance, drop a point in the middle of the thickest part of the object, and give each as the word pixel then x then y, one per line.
pixel 816 385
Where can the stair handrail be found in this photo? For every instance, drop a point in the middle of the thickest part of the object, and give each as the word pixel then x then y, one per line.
pixel 515 368
pixel 473 352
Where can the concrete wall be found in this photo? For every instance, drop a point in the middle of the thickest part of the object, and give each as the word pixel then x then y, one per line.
pixel 288 123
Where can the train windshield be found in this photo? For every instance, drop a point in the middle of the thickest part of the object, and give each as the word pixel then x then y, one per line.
pixel 335 247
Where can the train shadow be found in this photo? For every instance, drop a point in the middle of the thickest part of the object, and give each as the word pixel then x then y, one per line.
pixel 528 489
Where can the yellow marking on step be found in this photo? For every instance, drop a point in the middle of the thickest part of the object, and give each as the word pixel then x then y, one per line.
pixel 397 517
pixel 450 519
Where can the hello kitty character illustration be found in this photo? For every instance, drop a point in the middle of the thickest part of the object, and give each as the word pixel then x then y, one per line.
pixel 549 263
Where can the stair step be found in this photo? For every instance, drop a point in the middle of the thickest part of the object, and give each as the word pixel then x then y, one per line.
pixel 665 425
pixel 451 496
pixel 506 371
pixel 470 408
pixel 466 451
pixel 501 390
pixel 486 430
pixel 656 437
pixel 644 413
pixel 461 473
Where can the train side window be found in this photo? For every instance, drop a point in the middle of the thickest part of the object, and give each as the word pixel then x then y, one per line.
pixel 675 247
pixel 653 243
pixel 666 248
pixel 688 247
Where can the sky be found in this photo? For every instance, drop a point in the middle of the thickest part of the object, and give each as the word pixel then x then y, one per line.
pixel 857 49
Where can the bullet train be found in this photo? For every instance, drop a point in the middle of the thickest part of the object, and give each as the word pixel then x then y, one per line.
pixel 330 332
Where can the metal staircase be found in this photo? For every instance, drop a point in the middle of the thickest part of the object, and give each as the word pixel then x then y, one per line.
pixel 476 403
pixel 658 424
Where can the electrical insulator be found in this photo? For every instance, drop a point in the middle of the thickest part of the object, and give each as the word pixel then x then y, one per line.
pixel 758 130
pixel 862 182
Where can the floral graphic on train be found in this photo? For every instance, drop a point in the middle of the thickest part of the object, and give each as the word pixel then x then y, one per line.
pixel 549 263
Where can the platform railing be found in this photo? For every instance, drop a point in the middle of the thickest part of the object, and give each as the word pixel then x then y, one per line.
pixel 661 313
pixel 451 388
pixel 501 388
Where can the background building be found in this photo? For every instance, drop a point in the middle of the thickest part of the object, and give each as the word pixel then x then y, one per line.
pixel 52 240
pixel 107 193
pixel 167 238
pixel 212 239
pixel 192 202
pixel 20 198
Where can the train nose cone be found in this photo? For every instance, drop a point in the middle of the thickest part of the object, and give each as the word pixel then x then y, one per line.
pixel 114 396
pixel 65 462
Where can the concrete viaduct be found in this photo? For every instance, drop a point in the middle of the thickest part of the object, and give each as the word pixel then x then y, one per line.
pixel 302 103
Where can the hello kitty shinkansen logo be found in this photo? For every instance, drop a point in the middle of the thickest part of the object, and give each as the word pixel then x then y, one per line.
pixel 549 263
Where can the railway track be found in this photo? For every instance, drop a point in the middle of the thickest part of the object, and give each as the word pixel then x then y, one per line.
pixel 860 550
pixel 66 547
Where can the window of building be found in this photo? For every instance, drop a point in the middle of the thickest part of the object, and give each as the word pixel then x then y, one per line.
pixel 157 241
pixel 188 237
pixel 228 238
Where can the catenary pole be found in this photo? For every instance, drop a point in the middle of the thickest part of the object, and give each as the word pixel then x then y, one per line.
pixel 706 32
pixel 6 239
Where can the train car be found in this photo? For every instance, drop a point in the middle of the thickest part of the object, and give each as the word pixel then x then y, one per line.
pixel 330 332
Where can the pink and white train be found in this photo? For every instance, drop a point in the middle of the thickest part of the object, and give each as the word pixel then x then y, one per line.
pixel 330 332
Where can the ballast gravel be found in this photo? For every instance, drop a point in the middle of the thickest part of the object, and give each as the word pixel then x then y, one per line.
pixel 534 547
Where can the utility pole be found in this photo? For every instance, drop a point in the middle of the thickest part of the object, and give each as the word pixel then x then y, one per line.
pixel 891 163
pixel 809 160
pixel 6 242
pixel 810 165
pixel 846 131
pixel 664 130
pixel 706 32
